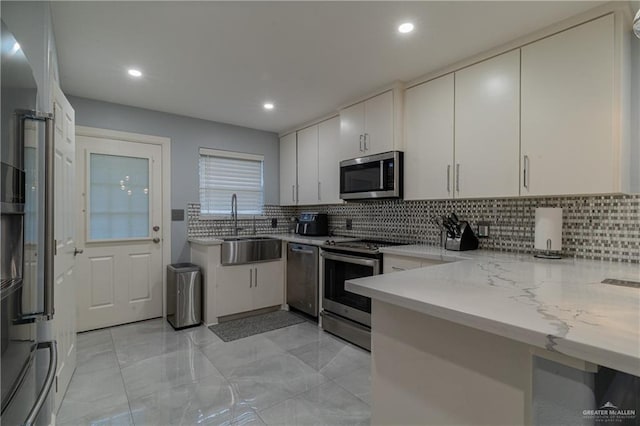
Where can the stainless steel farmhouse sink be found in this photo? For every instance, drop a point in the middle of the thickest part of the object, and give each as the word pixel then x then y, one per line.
pixel 249 249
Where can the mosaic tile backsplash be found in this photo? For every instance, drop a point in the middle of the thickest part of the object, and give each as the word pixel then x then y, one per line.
pixel 594 227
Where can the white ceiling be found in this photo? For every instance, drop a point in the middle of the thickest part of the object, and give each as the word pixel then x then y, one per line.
pixel 222 60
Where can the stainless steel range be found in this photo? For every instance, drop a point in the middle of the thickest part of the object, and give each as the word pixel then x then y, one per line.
pixel 347 314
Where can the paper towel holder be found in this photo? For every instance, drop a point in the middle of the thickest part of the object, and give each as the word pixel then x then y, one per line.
pixel 548 233
pixel 548 253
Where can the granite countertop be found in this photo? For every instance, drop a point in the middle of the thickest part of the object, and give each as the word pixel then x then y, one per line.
pixel 294 238
pixel 559 305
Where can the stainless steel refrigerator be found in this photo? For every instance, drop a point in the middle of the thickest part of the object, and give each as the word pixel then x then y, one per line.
pixel 28 364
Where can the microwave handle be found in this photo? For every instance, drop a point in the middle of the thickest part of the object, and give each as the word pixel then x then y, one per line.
pixel 381 174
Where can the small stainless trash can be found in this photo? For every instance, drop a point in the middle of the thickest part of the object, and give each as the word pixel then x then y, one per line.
pixel 184 295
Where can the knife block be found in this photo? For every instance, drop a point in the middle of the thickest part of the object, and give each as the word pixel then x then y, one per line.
pixel 467 239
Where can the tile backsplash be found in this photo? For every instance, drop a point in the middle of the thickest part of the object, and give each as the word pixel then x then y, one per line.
pixel 605 227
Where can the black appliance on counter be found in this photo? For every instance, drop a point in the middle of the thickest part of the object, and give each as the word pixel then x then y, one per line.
pixel 346 314
pixel 313 224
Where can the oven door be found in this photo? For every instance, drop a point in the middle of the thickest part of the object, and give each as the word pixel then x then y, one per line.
pixel 339 268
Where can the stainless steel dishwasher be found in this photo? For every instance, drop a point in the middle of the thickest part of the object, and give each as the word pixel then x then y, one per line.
pixel 302 278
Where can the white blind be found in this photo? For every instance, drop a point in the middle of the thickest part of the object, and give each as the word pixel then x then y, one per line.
pixel 224 173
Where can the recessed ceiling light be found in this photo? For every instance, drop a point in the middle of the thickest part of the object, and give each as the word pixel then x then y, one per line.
pixel 407 27
pixel 268 105
pixel 15 48
pixel 134 72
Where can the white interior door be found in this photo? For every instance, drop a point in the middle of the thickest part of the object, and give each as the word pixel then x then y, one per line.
pixel 64 322
pixel 120 272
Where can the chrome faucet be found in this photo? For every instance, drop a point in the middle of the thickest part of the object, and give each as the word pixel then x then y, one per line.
pixel 234 213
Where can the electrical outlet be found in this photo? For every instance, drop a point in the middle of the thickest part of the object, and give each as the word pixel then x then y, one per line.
pixel 484 229
pixel 274 222
pixel 349 224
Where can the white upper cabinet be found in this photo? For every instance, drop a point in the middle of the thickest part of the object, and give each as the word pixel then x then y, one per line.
pixel 329 156
pixel 372 126
pixel 288 168
pixel 379 123
pixel 352 131
pixel 428 143
pixel 487 128
pixel 308 190
pixel 310 165
pixel 570 141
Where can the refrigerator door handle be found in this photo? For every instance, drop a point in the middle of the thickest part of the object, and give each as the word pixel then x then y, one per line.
pixel 48 381
pixel 49 244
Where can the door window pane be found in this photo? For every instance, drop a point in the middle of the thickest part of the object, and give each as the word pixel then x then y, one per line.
pixel 119 197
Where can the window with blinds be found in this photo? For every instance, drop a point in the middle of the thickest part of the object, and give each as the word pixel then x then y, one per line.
pixel 224 173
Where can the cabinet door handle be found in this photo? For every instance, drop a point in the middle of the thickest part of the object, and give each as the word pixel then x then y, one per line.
pixel 256 280
pixel 458 177
pixel 250 277
pixel 449 178
pixel 361 137
pixel 395 268
pixel 293 193
pixel 366 137
pixel 525 172
pixel 319 197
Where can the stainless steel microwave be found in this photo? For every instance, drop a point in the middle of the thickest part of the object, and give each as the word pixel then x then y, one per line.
pixel 374 176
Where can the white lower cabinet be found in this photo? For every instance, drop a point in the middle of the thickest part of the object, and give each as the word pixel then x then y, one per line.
pixel 395 263
pixel 242 288
pixel 268 285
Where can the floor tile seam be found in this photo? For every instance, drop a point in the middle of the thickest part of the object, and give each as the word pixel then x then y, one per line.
pixel 147 359
pixel 349 392
pixel 259 416
pixel 226 379
pixel 305 363
pixel 126 394
pixel 247 363
pixel 190 382
pixel 294 395
pixel 74 419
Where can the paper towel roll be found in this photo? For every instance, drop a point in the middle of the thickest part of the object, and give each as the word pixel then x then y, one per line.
pixel 548 228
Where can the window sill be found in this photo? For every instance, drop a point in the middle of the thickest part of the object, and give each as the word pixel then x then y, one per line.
pixel 221 217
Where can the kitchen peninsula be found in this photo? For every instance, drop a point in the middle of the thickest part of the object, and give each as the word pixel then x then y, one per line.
pixel 458 343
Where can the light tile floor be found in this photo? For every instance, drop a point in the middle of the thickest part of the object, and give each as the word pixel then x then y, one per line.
pixel 148 374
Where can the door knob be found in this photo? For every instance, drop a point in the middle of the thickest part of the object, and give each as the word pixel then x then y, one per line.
pixel 77 251
pixel 156 228
pixel 156 240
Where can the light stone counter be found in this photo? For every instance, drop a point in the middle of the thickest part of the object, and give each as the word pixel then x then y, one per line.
pixel 496 338
pixel 293 238
pixel 557 305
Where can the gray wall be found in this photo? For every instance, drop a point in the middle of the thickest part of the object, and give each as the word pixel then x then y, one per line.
pixel 187 135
